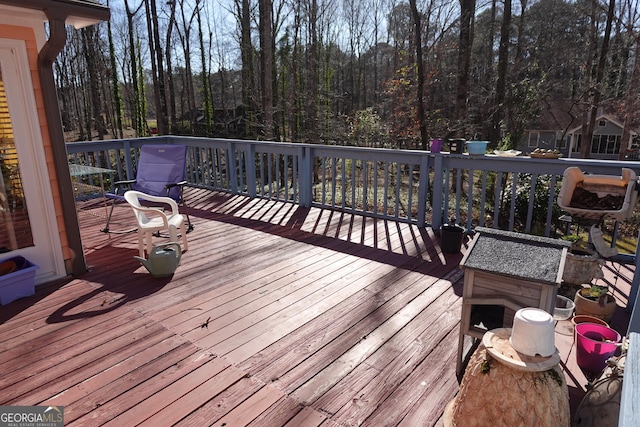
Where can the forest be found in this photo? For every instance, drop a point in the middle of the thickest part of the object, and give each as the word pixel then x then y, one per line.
pixel 373 73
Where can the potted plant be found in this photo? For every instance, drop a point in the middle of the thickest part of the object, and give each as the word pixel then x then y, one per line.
pixel 595 301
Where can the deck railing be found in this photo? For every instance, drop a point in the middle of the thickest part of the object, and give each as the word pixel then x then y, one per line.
pixel 418 187
pixel 517 194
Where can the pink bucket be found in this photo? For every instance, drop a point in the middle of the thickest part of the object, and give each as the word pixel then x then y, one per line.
pixel 594 345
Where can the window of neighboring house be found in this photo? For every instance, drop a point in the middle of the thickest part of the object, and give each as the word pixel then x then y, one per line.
pixel 15 228
pixel 605 144
pixel 602 123
pixel 534 137
pixel 576 146
pixel 563 143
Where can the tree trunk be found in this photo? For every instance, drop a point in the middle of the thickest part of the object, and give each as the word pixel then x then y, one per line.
pixel 161 108
pixel 138 118
pixel 630 102
pixel 489 75
pixel 420 76
pixel 266 62
pixel 95 111
pixel 521 24
pixel 597 87
pixel 313 81
pixel 189 92
pixel 115 85
pixel 154 69
pixel 467 11
pixel 169 58
pixel 157 67
pixel 142 92
pixel 296 75
pixel 246 51
pixel 206 86
pixel 585 136
pixel 501 85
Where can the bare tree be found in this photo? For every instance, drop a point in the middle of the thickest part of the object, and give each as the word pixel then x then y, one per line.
pixel 467 11
pixel 313 55
pixel 206 85
pixel 501 84
pixel 266 62
pixel 115 86
pixel 630 102
pixel 139 123
pixel 630 15
pixel 585 150
pixel 184 33
pixel 90 39
pixel 157 66
pixel 243 16
pixel 169 58
pixel 420 70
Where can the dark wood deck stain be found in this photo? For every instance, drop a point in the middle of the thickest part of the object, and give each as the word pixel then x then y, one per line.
pixel 278 316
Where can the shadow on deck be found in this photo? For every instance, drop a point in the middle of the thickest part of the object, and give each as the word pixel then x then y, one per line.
pixel 278 315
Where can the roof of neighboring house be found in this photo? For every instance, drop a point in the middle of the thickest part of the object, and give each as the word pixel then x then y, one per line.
pixel 615 109
pixel 560 114
pixel 600 116
pixel 80 13
pixel 556 114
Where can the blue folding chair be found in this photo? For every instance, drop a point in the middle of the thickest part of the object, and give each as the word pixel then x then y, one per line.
pixel 161 171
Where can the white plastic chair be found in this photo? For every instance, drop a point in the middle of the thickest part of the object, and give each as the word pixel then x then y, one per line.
pixel 160 171
pixel 155 219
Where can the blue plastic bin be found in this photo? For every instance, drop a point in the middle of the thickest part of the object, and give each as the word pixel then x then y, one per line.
pixel 20 283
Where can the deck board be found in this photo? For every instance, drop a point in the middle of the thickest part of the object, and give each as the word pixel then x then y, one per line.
pixel 51 368
pixel 191 390
pixel 127 392
pixel 393 362
pixel 80 383
pixel 278 315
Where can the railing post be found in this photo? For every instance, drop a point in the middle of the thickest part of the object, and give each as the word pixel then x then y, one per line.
pixel 423 190
pixel 630 394
pixel 232 167
pixel 438 180
pixel 635 283
pixel 306 175
pixel 128 160
pixel 250 168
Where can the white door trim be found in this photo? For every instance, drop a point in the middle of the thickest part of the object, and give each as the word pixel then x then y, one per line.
pixel 47 249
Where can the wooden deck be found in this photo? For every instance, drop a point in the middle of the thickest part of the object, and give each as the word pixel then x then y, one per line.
pixel 277 316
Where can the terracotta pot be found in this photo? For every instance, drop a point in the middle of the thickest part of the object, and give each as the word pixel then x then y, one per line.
pixel 593 308
pixel 585 318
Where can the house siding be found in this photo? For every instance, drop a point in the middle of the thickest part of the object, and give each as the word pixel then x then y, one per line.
pixel 550 139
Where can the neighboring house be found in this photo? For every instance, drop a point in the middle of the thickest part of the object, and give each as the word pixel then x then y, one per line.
pixel 557 129
pixel 548 129
pixel 38 219
pixel 606 141
pixel 228 121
